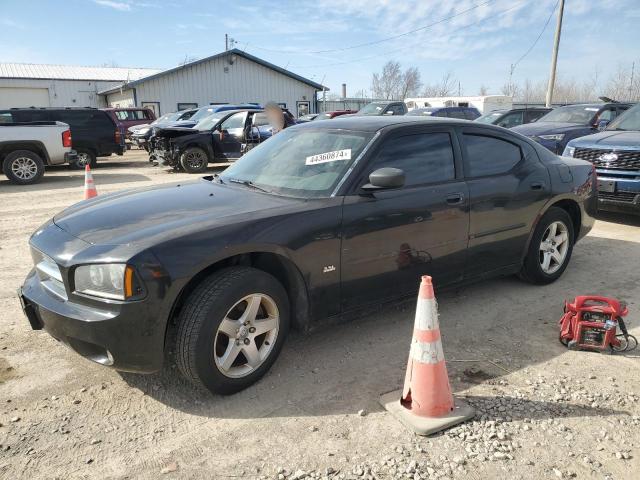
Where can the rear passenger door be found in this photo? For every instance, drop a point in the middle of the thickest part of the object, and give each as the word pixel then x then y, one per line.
pixel 508 185
pixel 233 135
pixel 392 237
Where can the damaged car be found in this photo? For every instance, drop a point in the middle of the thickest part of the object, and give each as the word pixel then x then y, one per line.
pixel 221 137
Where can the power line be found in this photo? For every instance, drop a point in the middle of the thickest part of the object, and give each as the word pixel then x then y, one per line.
pixel 377 42
pixel 361 59
pixel 546 24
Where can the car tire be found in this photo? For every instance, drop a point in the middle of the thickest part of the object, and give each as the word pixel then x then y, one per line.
pixel 23 167
pixel 85 156
pixel 194 160
pixel 550 248
pixel 215 349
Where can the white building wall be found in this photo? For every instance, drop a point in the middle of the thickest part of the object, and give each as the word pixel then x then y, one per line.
pixel 121 99
pixel 218 81
pixel 62 93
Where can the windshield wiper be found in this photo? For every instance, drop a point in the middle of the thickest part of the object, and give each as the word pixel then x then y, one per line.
pixel 249 183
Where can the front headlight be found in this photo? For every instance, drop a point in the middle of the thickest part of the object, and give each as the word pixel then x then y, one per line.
pixel 569 151
pixel 557 137
pixel 113 280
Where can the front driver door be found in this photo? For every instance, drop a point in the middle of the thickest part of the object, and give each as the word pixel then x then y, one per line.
pixel 232 132
pixel 392 237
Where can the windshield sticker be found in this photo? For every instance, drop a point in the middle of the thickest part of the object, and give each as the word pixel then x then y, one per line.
pixel 329 157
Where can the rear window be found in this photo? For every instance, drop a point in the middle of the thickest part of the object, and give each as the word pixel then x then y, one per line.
pixel 24 116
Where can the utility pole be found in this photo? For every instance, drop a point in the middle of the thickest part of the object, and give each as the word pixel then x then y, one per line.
pixel 554 55
pixel 226 42
pixel 633 68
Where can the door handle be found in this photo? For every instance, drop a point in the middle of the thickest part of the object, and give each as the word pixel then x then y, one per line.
pixel 537 186
pixel 455 198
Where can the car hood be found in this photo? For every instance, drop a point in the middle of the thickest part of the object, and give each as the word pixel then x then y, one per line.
pixel 610 139
pixel 547 128
pixel 146 216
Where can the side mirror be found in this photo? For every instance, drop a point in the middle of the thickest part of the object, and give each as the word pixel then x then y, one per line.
pixel 602 124
pixel 384 178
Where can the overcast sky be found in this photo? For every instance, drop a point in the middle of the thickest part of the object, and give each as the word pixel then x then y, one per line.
pixel 323 39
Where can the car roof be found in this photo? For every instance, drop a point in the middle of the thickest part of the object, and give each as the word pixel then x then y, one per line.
pixel 375 123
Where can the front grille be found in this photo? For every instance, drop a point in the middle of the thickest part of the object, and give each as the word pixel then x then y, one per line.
pixel 49 274
pixel 627 159
pixel 626 197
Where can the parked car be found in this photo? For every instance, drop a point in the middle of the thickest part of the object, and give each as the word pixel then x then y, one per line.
pixel 462 113
pixel 223 137
pixel 307 118
pixel 130 116
pixel 321 219
pixel 615 152
pixel 333 114
pixel 513 117
pixel 383 108
pixel 94 132
pixel 25 149
pixel 140 134
pixel 556 128
pixel 203 112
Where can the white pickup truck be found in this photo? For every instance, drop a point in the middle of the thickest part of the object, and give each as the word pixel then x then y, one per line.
pixel 25 149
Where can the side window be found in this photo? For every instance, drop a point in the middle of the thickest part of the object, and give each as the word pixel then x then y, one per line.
pixel 260 120
pixel 457 113
pixel 25 116
pixel 140 115
pixel 489 155
pixel 6 117
pixel 74 118
pixel 470 114
pixel 234 121
pixel 395 110
pixel 440 113
pixel 424 158
pixel 511 120
pixel 122 114
pixel 606 115
pixel 533 115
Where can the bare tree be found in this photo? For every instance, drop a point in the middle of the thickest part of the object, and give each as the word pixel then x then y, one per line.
pixel 484 90
pixel 188 59
pixel 510 89
pixel 387 84
pixel 445 87
pixel 411 83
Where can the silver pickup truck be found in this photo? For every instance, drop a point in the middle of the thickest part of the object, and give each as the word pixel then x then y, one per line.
pixel 26 148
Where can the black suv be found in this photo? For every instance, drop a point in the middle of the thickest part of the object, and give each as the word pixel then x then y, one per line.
pixel 93 132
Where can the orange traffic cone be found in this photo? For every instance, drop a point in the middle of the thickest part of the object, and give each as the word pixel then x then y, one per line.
pixel 89 187
pixel 426 404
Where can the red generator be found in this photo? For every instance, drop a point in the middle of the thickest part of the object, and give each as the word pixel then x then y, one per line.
pixel 591 323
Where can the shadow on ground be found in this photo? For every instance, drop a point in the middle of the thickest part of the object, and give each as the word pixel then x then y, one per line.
pixel 619 218
pixel 499 326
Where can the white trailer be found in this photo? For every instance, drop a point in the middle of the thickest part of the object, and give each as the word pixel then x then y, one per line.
pixel 484 103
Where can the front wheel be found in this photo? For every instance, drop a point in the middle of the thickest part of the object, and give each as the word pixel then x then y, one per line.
pixel 550 248
pixel 231 329
pixel 194 160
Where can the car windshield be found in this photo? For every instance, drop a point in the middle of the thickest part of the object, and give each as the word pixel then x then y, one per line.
pixel 629 120
pixel 419 112
pixel 167 117
pixel 299 162
pixel 573 114
pixel 203 113
pixel 489 117
pixel 372 109
pixel 208 123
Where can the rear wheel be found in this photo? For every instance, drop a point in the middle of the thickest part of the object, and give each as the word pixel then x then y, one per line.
pixel 85 157
pixel 231 329
pixel 550 249
pixel 194 160
pixel 23 167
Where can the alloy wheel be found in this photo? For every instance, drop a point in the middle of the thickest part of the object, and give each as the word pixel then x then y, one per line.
pixel 24 168
pixel 195 159
pixel 554 247
pixel 246 336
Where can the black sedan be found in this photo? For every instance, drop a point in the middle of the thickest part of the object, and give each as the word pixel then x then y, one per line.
pixel 323 218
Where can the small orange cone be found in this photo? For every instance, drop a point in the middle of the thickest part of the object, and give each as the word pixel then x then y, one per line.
pixel 426 404
pixel 89 187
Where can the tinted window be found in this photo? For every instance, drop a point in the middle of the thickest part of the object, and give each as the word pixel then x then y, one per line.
pixel 122 114
pixel 6 117
pixel 471 114
pixel 439 113
pixel 457 113
pixel 533 115
pixel 23 116
pixel 489 155
pixel 395 110
pixel 424 158
pixel 511 120
pixel 83 118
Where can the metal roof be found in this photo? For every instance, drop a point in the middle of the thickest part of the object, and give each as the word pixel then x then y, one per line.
pixel 73 72
pixel 233 51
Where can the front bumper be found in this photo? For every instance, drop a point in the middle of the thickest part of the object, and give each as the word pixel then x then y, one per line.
pixel 619 191
pixel 122 335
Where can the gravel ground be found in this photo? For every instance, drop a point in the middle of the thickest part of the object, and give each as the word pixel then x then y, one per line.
pixel 542 411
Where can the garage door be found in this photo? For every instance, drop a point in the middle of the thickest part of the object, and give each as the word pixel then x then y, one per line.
pixel 11 97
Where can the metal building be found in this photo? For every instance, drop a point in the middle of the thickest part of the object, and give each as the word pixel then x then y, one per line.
pixel 31 85
pixel 233 76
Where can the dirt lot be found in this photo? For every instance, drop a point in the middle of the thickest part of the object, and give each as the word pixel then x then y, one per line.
pixel 543 412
